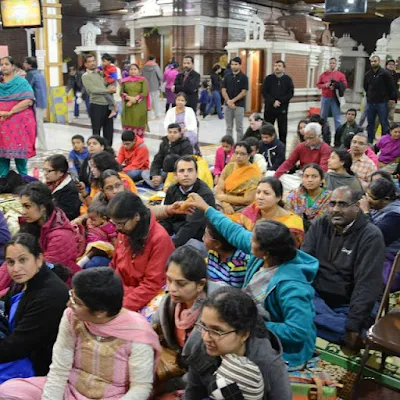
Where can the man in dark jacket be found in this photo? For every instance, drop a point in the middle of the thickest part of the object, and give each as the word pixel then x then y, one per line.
pixel 346 132
pixel 188 82
pixel 75 83
pixel 277 91
pixel 172 144
pixel 391 68
pixel 271 147
pixel 351 252
pixel 186 227
pixel 380 90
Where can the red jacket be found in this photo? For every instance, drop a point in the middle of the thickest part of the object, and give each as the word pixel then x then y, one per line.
pixel 305 155
pixel 326 77
pixel 143 275
pixel 59 244
pixel 135 158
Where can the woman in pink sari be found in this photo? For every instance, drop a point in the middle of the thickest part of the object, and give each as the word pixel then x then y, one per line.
pixel 17 120
pixel 103 351
pixel 134 94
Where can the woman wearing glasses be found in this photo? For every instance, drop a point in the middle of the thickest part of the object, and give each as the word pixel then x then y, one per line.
pixel 279 278
pixel 237 184
pixel 103 351
pixel 230 331
pixel 63 188
pixel 33 308
pixel 178 312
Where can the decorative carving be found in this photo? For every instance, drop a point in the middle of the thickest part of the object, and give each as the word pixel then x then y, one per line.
pixel 89 32
pixel 150 8
pixel 255 28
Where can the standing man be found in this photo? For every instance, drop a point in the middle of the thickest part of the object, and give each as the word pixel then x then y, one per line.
pixel 75 83
pixel 151 71
pixel 234 89
pixel 277 91
pixel 391 68
pixel 188 82
pixel 328 82
pixel 38 83
pixel 99 108
pixel 380 90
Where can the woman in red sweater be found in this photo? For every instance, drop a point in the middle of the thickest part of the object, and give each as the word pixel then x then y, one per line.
pixel 142 250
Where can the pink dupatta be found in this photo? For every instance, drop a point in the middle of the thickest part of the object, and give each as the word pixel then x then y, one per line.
pixel 138 78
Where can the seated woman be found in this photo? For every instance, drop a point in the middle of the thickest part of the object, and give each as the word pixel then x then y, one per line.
pixel 33 307
pixel 103 351
pixel 279 278
pixel 237 184
pixel 269 205
pixel 63 188
pixel 180 309
pixel 299 138
pixel 186 118
pixel 143 247
pixel 311 199
pixel 256 121
pixel 340 173
pixel 100 162
pixel 224 263
pixel 231 333
pixel 382 204
pixel 389 149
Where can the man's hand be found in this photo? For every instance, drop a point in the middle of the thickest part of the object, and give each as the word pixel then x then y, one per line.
pixel 231 104
pixel 392 102
pixel 353 342
pixel 277 104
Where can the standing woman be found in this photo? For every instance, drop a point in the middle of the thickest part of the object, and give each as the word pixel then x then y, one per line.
pixel 17 120
pixel 216 84
pixel 134 93
pixel 170 74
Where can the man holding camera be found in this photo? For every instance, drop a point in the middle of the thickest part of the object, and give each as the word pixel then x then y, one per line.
pixel 328 82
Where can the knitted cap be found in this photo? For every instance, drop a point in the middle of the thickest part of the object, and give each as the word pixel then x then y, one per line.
pixel 237 378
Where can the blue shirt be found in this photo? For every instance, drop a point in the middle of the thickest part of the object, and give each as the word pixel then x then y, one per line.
pixel 38 83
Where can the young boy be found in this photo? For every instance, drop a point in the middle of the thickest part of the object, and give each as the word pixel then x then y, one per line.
pixel 257 157
pixel 110 79
pixel 77 155
pixel 223 156
pixel 172 144
pixel 133 155
pixel 271 147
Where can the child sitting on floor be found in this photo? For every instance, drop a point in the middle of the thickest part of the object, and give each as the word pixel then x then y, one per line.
pixel 77 155
pixel 255 153
pixel 223 156
pixel 110 75
pixel 101 236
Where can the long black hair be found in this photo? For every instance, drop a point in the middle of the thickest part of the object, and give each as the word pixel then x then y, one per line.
pixel 345 158
pixel 276 186
pixel 127 205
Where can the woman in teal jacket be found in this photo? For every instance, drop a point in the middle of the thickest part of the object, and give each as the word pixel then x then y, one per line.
pixel 278 277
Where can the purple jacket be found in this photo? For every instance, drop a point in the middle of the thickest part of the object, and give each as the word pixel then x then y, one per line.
pixel 389 149
pixel 169 77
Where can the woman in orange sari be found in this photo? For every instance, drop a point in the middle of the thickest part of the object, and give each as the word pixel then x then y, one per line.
pixel 237 184
pixel 269 205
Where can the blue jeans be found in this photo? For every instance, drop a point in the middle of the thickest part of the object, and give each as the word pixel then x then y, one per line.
pixel 383 111
pixel 76 108
pixel 215 101
pixel 134 174
pixel 329 104
pixel 98 261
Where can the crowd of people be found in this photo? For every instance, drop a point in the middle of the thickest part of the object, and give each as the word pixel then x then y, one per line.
pixel 223 287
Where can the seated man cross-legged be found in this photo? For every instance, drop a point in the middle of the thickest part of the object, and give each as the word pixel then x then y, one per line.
pixel 351 252
pixel 186 227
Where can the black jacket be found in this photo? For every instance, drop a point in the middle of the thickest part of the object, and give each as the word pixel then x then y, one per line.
pixel 379 86
pixel 75 82
pixel 182 147
pixel 274 153
pixel 350 266
pixel 36 320
pixel 348 137
pixel 190 86
pixel 67 198
pixel 186 227
pixel 264 352
pixel 281 89
pixel 216 82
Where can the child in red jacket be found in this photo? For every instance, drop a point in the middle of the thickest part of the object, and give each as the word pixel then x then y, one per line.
pixel 110 79
pixel 133 155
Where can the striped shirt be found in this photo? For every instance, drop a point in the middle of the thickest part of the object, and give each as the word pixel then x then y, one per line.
pixel 230 271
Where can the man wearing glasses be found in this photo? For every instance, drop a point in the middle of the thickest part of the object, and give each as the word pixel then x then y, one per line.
pixel 351 252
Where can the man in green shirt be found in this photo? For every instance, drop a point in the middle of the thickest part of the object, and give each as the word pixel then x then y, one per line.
pixel 95 86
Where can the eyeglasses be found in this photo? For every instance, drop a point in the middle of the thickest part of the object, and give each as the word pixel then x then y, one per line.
pixel 341 204
pixel 71 297
pixel 47 171
pixel 111 188
pixel 121 224
pixel 214 334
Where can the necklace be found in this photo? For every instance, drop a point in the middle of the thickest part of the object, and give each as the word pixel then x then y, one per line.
pixel 100 338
